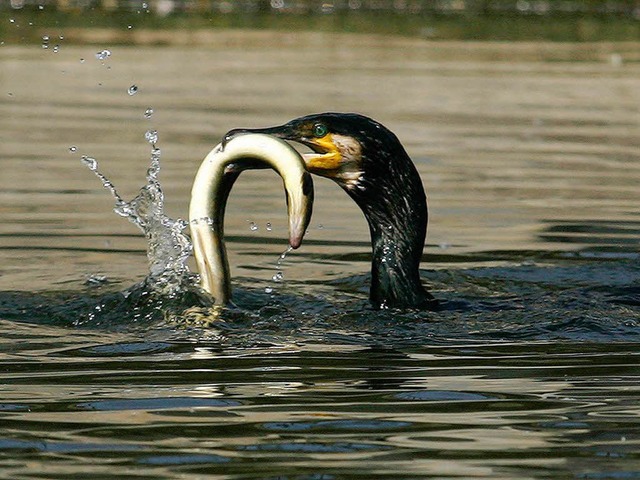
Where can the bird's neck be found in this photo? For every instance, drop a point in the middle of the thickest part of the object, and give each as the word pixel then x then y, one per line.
pixel 397 218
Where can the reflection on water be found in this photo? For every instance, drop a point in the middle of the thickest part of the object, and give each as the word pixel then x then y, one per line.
pixel 530 161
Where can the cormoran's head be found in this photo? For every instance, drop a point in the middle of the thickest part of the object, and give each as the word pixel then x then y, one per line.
pixel 368 161
pixel 347 147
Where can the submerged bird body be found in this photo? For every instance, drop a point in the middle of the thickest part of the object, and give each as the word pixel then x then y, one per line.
pixel 368 161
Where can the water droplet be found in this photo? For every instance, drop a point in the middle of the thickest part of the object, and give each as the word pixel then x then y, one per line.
pixel 89 162
pixel 102 55
pixel 278 276
pixel 129 27
pixel 56 48
pixel 73 149
pixel 40 7
pixel 61 37
pixel 203 220
pixel 268 290
pixel 151 136
pixel 269 227
pixel 148 112
pixel 253 227
pixel 82 60
pixel 320 226
pixel 95 280
pixel 12 20
pixel 45 41
pixel 132 90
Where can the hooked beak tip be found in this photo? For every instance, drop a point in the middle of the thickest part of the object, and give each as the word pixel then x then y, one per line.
pixel 230 134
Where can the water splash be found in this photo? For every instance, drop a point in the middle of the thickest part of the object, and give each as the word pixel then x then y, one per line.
pixel 169 247
pixel 278 277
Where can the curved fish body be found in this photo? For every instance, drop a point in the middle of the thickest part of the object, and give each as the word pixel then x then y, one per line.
pixel 210 191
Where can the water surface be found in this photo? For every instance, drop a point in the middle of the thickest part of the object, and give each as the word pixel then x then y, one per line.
pixel 530 157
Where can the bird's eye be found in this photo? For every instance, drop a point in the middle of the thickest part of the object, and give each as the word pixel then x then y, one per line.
pixel 320 130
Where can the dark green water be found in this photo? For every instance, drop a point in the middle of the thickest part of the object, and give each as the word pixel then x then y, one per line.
pixel 529 153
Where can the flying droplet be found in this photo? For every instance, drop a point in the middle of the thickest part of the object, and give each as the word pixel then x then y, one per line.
pixel 148 113
pixel 61 37
pixel 56 48
pixel 132 90
pixel 45 41
pixel 278 277
pixel 151 136
pixel 82 60
pixel 268 290
pixel 95 280
pixel 253 227
pixel 73 149
pixel 102 55
pixel 90 162
pixel 269 227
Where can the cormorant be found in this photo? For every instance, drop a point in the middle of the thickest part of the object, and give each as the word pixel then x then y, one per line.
pixel 210 191
pixel 368 161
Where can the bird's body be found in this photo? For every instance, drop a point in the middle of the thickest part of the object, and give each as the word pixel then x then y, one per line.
pixel 368 161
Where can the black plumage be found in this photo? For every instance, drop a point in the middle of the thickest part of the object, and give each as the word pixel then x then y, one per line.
pixel 368 161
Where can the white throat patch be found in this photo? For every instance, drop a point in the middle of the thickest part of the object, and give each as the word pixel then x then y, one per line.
pixel 351 166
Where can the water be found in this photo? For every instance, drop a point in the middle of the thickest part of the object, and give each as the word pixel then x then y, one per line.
pixel 529 154
pixel 168 248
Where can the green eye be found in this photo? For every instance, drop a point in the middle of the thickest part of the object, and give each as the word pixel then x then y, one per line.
pixel 320 130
